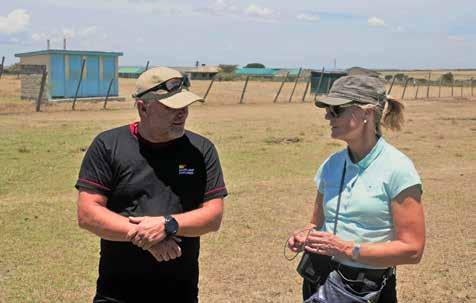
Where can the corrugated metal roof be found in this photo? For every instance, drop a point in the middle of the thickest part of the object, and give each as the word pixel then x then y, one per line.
pixel 256 71
pixel 68 52
pixel 197 69
pixel 131 69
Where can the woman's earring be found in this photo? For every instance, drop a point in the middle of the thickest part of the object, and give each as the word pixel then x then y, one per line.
pixel 365 121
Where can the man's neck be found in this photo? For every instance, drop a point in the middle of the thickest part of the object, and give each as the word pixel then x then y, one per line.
pixel 154 136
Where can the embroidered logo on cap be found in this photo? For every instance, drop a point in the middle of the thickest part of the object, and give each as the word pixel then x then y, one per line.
pixel 183 170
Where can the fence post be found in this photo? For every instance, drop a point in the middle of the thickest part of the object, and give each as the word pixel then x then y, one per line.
pixel 295 84
pixel 462 86
pixel 453 87
pixel 328 86
pixel 108 91
pixel 472 87
pixel 42 88
pixel 2 67
pixel 79 84
pixel 417 88
pixel 208 89
pixel 405 88
pixel 439 90
pixel 428 89
pixel 305 90
pixel 391 85
pixel 147 65
pixel 319 84
pixel 281 87
pixel 244 89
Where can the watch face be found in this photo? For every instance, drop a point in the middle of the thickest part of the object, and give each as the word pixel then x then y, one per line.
pixel 171 225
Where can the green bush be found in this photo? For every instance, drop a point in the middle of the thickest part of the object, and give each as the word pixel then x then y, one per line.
pixel 255 65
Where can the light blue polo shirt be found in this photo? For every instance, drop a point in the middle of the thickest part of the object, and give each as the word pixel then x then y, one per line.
pixel 369 187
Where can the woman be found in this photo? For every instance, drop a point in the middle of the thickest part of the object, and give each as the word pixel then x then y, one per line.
pixel 371 187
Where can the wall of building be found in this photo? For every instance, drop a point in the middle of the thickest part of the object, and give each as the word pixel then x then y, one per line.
pixel 30 78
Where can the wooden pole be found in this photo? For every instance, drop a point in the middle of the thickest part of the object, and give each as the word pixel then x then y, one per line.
pixel 244 89
pixel 281 87
pixel 147 65
pixel 108 91
pixel 453 88
pixel 405 88
pixel 208 89
pixel 305 90
pixel 462 86
pixel 42 88
pixel 319 84
pixel 439 90
pixel 391 85
pixel 79 84
pixel 417 89
pixel 428 88
pixel 2 67
pixel 472 86
pixel 295 84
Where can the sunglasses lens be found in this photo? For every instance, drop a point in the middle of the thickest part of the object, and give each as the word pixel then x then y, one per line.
pixel 173 85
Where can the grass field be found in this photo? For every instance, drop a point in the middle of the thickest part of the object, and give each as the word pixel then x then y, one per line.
pixel 269 154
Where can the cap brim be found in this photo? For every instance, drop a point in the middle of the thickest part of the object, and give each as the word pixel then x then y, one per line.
pixel 325 101
pixel 180 100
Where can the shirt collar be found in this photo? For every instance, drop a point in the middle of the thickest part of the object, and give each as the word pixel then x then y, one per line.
pixel 369 158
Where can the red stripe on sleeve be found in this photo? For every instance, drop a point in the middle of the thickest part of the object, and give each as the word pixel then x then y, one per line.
pixel 95 184
pixel 215 190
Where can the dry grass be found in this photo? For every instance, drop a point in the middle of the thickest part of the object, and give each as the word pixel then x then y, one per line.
pixel 269 153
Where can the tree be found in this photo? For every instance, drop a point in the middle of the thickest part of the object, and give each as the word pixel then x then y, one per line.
pixel 400 77
pixel 448 77
pixel 13 69
pixel 255 65
pixel 388 77
pixel 227 68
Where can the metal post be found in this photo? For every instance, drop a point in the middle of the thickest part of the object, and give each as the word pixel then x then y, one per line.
pixel 439 90
pixel 79 83
pixel 281 87
pixel 405 88
pixel 208 89
pixel 453 88
pixel 428 89
pixel 244 89
pixel 295 84
pixel 305 90
pixel 319 84
pixel 472 87
pixel 391 85
pixel 147 65
pixel 417 88
pixel 2 67
pixel 108 91
pixel 42 88
pixel 462 86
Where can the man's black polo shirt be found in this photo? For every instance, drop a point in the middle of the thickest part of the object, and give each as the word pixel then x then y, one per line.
pixel 141 178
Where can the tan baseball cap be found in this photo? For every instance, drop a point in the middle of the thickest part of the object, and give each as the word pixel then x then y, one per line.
pixel 159 75
pixel 362 89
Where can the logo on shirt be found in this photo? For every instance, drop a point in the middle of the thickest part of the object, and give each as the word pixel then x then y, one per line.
pixel 183 170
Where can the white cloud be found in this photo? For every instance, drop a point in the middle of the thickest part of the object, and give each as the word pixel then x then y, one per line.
pixel 309 17
pixel 376 22
pixel 16 21
pixel 261 12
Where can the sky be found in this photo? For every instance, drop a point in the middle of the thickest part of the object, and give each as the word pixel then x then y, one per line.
pixel 404 34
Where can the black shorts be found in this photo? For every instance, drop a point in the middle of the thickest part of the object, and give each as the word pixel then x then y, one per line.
pixel 145 291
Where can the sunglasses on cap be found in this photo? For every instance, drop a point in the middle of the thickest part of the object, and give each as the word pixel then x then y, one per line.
pixel 171 86
pixel 337 110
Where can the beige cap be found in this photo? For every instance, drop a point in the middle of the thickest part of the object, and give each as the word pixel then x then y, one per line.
pixel 158 75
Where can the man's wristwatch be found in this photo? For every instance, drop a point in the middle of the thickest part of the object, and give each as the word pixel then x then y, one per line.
pixel 171 225
pixel 356 252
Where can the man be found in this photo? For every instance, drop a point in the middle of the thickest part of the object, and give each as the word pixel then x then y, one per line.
pixel 149 190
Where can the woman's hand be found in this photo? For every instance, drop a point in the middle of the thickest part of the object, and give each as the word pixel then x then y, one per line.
pixel 297 240
pixel 325 243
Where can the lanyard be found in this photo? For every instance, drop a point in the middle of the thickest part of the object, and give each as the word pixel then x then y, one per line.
pixel 340 194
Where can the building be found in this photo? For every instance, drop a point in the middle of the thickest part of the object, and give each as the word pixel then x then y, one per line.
pixel 64 73
pixel 131 71
pixel 328 78
pixel 202 72
pixel 260 72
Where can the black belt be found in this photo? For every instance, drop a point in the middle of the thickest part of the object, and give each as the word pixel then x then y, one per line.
pixel 356 273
